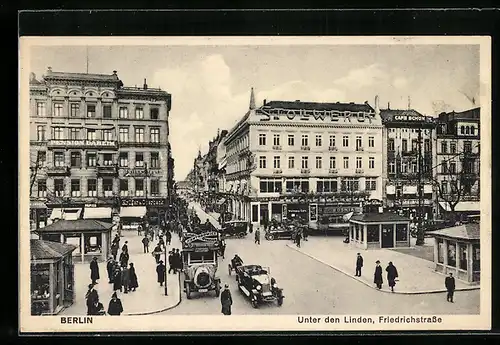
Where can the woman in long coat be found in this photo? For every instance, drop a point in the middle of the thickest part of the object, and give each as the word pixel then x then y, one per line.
pixel 133 283
pixel 160 272
pixel 392 274
pixel 115 305
pixel 226 300
pixel 117 279
pixel 94 270
pixel 377 276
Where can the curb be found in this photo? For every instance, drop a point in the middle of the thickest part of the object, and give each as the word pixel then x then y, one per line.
pixel 380 290
pixel 161 310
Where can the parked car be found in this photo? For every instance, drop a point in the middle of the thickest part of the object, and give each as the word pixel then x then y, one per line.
pixel 257 284
pixel 280 232
pixel 234 228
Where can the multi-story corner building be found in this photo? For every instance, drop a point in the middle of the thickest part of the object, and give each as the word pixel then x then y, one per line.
pixel 94 142
pixel 307 160
pixel 458 156
pixel 407 133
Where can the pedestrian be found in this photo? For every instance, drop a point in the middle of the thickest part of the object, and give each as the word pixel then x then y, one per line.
pixel 377 276
pixel 170 262
pixel 117 279
pixel 359 265
pixel 97 308
pixel 91 296
pixel 392 274
pixel 115 306
pixel 125 279
pixel 168 237
pixel 161 242
pixel 156 232
pixel 226 300
pixel 145 243
pixel 265 222
pixel 156 253
pixel 250 227
pixel 257 236
pixel 94 271
pixel 305 233
pixel 110 266
pixel 125 247
pixel 297 238
pixel 449 283
pixel 117 239
pixel 177 261
pixel 133 282
pixel 114 250
pixel 124 257
pixel 160 272
pixel 222 247
pixel 139 229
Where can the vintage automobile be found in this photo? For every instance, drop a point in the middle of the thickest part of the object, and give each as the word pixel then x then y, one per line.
pixel 234 228
pixel 199 256
pixel 257 284
pixel 280 232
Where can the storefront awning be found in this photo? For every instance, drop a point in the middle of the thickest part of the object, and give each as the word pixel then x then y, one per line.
pixel 97 213
pixel 66 213
pixel 462 206
pixel 427 188
pixel 346 217
pixel 390 189
pixel 409 189
pixel 221 201
pixel 133 212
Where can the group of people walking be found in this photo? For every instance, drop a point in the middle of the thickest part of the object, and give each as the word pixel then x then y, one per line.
pixel 392 272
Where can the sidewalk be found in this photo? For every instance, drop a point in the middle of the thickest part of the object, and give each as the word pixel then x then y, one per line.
pixel 416 276
pixel 204 216
pixel 149 298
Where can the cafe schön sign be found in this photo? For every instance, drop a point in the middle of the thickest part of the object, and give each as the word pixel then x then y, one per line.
pixel 306 114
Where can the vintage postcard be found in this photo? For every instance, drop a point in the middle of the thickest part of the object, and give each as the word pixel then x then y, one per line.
pixel 254 184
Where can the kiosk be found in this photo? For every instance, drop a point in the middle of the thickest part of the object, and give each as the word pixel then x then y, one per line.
pixel 379 230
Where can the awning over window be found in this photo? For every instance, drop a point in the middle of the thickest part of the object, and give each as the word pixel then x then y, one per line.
pixel 133 212
pixel 427 188
pixel 221 201
pixel 66 213
pixel 97 213
pixel 409 189
pixel 390 189
pixel 37 205
pixel 462 206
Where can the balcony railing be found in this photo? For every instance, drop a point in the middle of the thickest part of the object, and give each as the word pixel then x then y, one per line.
pixel 305 148
pixel 58 171
pixel 333 148
pixel 277 171
pixel 305 171
pixel 107 170
pixel 276 147
pixel 333 171
pixel 359 171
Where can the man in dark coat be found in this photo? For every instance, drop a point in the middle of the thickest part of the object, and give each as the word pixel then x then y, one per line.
pixel 222 248
pixel 171 262
pixel 250 227
pixel 125 279
pixel 177 260
pixel 377 276
pixel 115 305
pixel 298 236
pixel 265 223
pixel 91 296
pixel 125 247
pixel 117 279
pixel 124 257
pixel 160 272
pixel 157 252
pixel 392 274
pixel 226 300
pixel 257 236
pixel 168 237
pixel 133 282
pixel 114 250
pixel 359 265
pixel 449 283
pixel 94 271
pixel 110 267
pixel 117 240
pixel 145 243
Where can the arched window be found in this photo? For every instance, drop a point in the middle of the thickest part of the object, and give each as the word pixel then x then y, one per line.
pixel 467 130
pixel 473 130
pixel 462 129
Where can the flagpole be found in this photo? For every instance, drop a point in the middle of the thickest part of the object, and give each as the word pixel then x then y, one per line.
pixel 87 58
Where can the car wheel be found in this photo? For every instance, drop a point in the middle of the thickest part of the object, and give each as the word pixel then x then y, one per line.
pixel 188 291
pixel 270 237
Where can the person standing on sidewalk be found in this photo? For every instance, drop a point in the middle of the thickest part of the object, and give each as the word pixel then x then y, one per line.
pixel 250 227
pixel 392 274
pixel 145 243
pixel 125 279
pixel 177 261
pixel 133 282
pixel 110 267
pixel 257 236
pixel 359 265
pixel 124 257
pixel 377 276
pixel 157 252
pixel 117 279
pixel 114 250
pixel 160 272
pixel 298 236
pixel 222 248
pixel 168 237
pixel 171 262
pixel 117 240
pixel 139 229
pixel 125 247
pixel 94 271
pixel 115 307
pixel 226 300
pixel 91 296
pixel 449 283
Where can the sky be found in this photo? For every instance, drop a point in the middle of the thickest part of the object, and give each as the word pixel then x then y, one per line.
pixel 210 85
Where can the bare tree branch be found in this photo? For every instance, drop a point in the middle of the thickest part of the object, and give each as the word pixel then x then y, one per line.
pixel 34 172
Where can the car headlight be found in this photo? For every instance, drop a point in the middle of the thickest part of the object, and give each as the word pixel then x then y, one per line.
pixel 259 287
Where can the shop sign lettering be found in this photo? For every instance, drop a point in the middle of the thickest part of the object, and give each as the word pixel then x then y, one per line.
pixel 142 172
pixel 408 118
pixel 143 202
pixel 306 115
pixel 84 143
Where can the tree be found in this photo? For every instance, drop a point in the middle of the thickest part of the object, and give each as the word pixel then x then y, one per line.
pixel 34 168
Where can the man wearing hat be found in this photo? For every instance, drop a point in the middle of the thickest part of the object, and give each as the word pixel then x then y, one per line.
pixel 115 305
pixel 160 272
pixel 377 276
pixel 359 265
pixel 91 296
pixel 110 267
pixel 94 270
pixel 226 300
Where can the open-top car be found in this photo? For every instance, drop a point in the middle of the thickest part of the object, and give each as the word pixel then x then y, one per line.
pixel 234 228
pixel 257 284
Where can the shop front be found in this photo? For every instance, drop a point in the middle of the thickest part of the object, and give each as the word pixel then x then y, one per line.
pixel 52 277
pixel 463 210
pixel 38 214
pixel 379 230
pixel 134 210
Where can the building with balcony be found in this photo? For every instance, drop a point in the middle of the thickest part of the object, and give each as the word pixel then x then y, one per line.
pixel 406 134
pixel 307 160
pixel 96 143
pixel 458 159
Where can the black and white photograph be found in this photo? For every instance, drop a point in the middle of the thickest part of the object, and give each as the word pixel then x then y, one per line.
pixel 255 183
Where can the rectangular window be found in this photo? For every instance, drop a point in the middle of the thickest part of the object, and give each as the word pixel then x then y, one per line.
pixel 139 187
pixel 42 158
pixel 155 160
pixel 390 145
pixel 444 147
pixel 404 145
pixel 444 167
pixel 270 185
pixel 452 255
pixel 90 110
pixel 359 143
pixel 139 159
pixel 462 256
pixel 107 186
pixel 414 145
pixel 91 159
pixel 276 162
pixel 139 113
pixel 346 162
pixel 291 140
pixel 123 134
pixel 42 188
pixel 59 159
pixel 359 163
pixel 441 250
pixel 262 139
pixel 349 184
pixel 74 109
pixel 124 188
pixel 139 135
pixel 453 147
pixel 76 159
pixel 319 140
pixel 345 141
pixel 106 111
pixel 75 188
pixel 107 135
pixel 59 187
pixel 371 141
pixel 107 159
pixel 305 140
pixel 74 133
pixel 155 135
pixel 92 187
pixel 371 162
pixel 327 186
pixel 427 145
pixel 401 233
pixel 291 162
pixel 40 133
pixel 154 113
pixel 58 109
pixel 444 187
pixel 392 168
pixel 123 158
pixel 370 183
pixel 123 113
pixel 332 141
pixel 319 163
pixel 155 187
pixel 276 139
pixel 305 162
pixel 40 109
pixel 91 134
pixel 468 146
pixel 333 163
pixel 295 186
pixel 262 162
pixel 58 133
pixel 453 167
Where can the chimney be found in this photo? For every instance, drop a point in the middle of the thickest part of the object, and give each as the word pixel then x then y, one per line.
pixel 252 100
pixel 265 101
pixel 145 84
pixel 377 106
pixel 49 69
pixel 388 105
